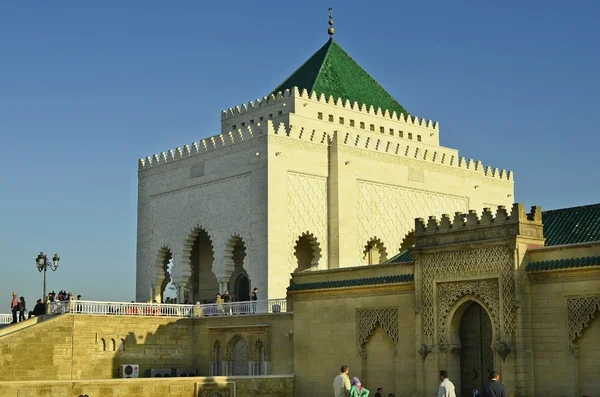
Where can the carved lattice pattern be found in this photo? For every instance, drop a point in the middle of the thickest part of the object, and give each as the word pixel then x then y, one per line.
pixel 307 211
pixel 368 319
pixel 239 356
pixel 485 261
pixel 581 310
pixel 449 293
pixel 389 212
pixel 220 208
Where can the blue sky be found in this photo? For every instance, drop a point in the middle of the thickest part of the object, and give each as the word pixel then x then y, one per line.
pixel 87 88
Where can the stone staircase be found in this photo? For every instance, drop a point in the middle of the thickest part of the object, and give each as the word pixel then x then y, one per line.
pixel 6 329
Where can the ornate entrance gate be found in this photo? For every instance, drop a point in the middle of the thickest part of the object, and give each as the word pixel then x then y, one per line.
pixel 476 355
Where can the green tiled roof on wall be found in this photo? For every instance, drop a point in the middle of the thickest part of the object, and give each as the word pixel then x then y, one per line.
pixel 402 257
pixel 572 225
pixel 563 264
pixel 331 71
pixel 399 278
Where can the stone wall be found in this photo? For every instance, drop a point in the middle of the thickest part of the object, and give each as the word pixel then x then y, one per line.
pixel 268 386
pixel 37 350
pixel 566 356
pixel 151 342
pixel 371 328
pixel 94 347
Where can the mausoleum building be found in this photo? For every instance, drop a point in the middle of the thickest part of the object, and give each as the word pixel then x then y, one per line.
pixel 327 171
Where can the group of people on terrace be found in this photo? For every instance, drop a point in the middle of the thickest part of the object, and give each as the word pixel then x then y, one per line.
pixel 344 387
pixel 64 302
pixel 18 305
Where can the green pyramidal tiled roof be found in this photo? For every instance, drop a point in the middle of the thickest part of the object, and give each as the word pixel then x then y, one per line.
pixel 331 71
pixel 572 225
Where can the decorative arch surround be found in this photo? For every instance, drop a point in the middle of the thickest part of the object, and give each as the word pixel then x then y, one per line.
pixel 581 311
pixel 448 294
pixel 199 275
pixel 186 262
pixel 375 245
pixel 232 341
pixel 232 243
pixel 236 253
pixel 163 257
pixel 408 241
pixel 258 345
pixel 315 250
pixel 368 319
pixel 438 267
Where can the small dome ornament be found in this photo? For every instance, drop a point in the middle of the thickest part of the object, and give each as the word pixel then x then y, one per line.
pixel 331 30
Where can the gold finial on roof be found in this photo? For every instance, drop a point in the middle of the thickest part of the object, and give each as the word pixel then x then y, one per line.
pixel 331 30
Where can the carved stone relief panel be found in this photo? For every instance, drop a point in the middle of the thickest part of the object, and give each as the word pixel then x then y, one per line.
pixel 368 319
pixel 581 311
pixel 388 212
pixel 488 261
pixel 307 214
pixel 225 340
pixel 220 208
pixel 449 293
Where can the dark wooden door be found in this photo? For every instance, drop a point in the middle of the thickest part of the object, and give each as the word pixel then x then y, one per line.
pixel 476 355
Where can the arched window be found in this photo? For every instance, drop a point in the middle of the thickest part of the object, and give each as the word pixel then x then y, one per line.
pixel 374 252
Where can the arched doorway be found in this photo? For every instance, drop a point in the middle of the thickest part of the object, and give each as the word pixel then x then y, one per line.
pixel 241 288
pixel 476 355
pixel 164 265
pixel 307 252
pixel 239 284
pixel 203 281
pixel 374 252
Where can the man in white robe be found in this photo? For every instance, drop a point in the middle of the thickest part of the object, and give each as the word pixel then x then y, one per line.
pixel 446 387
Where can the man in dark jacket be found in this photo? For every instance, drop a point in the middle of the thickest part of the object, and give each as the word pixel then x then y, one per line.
pixel 493 387
pixel 38 310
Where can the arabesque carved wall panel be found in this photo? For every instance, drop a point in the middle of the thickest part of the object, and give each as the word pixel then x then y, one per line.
pixel 220 208
pixel 449 293
pixel 581 311
pixel 307 213
pixel 368 319
pixel 490 261
pixel 388 212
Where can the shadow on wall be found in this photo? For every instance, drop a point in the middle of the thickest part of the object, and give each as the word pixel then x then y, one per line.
pixel 162 347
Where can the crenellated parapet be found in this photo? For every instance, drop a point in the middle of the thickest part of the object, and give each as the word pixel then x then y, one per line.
pixel 205 145
pixel 359 108
pixel 470 226
pixel 414 150
pixel 299 133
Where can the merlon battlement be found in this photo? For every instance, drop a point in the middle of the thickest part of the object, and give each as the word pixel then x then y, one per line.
pixel 331 101
pixel 434 154
pixel 462 221
pixel 205 145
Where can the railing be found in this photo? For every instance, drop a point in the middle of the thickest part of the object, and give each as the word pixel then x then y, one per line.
pixel 168 310
pixel 5 319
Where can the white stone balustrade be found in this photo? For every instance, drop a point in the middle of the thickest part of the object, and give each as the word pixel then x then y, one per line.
pixel 168 310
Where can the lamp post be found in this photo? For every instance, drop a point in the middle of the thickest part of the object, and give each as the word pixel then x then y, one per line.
pixel 43 263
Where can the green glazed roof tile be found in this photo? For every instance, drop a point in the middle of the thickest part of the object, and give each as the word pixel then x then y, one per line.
pixel 402 257
pixel 572 225
pixel 332 72
pixel 557 264
pixel 400 278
